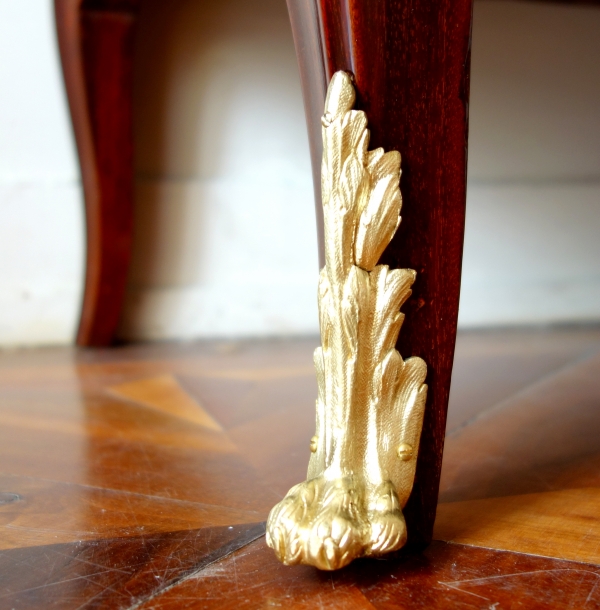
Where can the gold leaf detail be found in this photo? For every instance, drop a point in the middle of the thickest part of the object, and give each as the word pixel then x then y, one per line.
pixel 370 402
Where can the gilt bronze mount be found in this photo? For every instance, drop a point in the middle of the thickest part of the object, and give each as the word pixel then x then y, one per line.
pixel 370 401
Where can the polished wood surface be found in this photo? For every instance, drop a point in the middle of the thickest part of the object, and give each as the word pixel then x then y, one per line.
pixel 410 61
pixel 141 476
pixel 96 48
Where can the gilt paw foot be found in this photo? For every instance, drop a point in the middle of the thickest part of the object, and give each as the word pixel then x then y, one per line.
pixel 328 523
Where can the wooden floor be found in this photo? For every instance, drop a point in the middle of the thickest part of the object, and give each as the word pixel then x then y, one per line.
pixel 140 477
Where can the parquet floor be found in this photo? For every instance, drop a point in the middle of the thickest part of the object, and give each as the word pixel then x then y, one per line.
pixel 140 477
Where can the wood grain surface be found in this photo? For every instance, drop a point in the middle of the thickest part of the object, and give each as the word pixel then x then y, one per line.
pixel 445 576
pixel 141 476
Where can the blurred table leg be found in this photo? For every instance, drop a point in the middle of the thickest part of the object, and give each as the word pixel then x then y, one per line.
pixel 96 47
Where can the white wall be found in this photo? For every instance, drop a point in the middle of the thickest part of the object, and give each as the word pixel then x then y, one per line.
pixel 41 223
pixel 532 246
pixel 225 240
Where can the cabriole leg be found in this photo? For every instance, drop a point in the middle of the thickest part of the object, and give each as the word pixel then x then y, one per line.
pixel 410 63
pixel 96 48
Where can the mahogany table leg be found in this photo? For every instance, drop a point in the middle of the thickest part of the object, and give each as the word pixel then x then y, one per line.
pixel 410 61
pixel 96 48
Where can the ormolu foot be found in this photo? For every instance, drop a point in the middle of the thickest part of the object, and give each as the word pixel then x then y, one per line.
pixel 371 402
pixel 328 523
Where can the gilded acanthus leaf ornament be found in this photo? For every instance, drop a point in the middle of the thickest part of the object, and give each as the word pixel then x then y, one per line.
pixel 371 402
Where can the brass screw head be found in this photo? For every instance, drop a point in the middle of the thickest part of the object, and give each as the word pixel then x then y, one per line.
pixel 327 119
pixel 313 443
pixel 404 452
